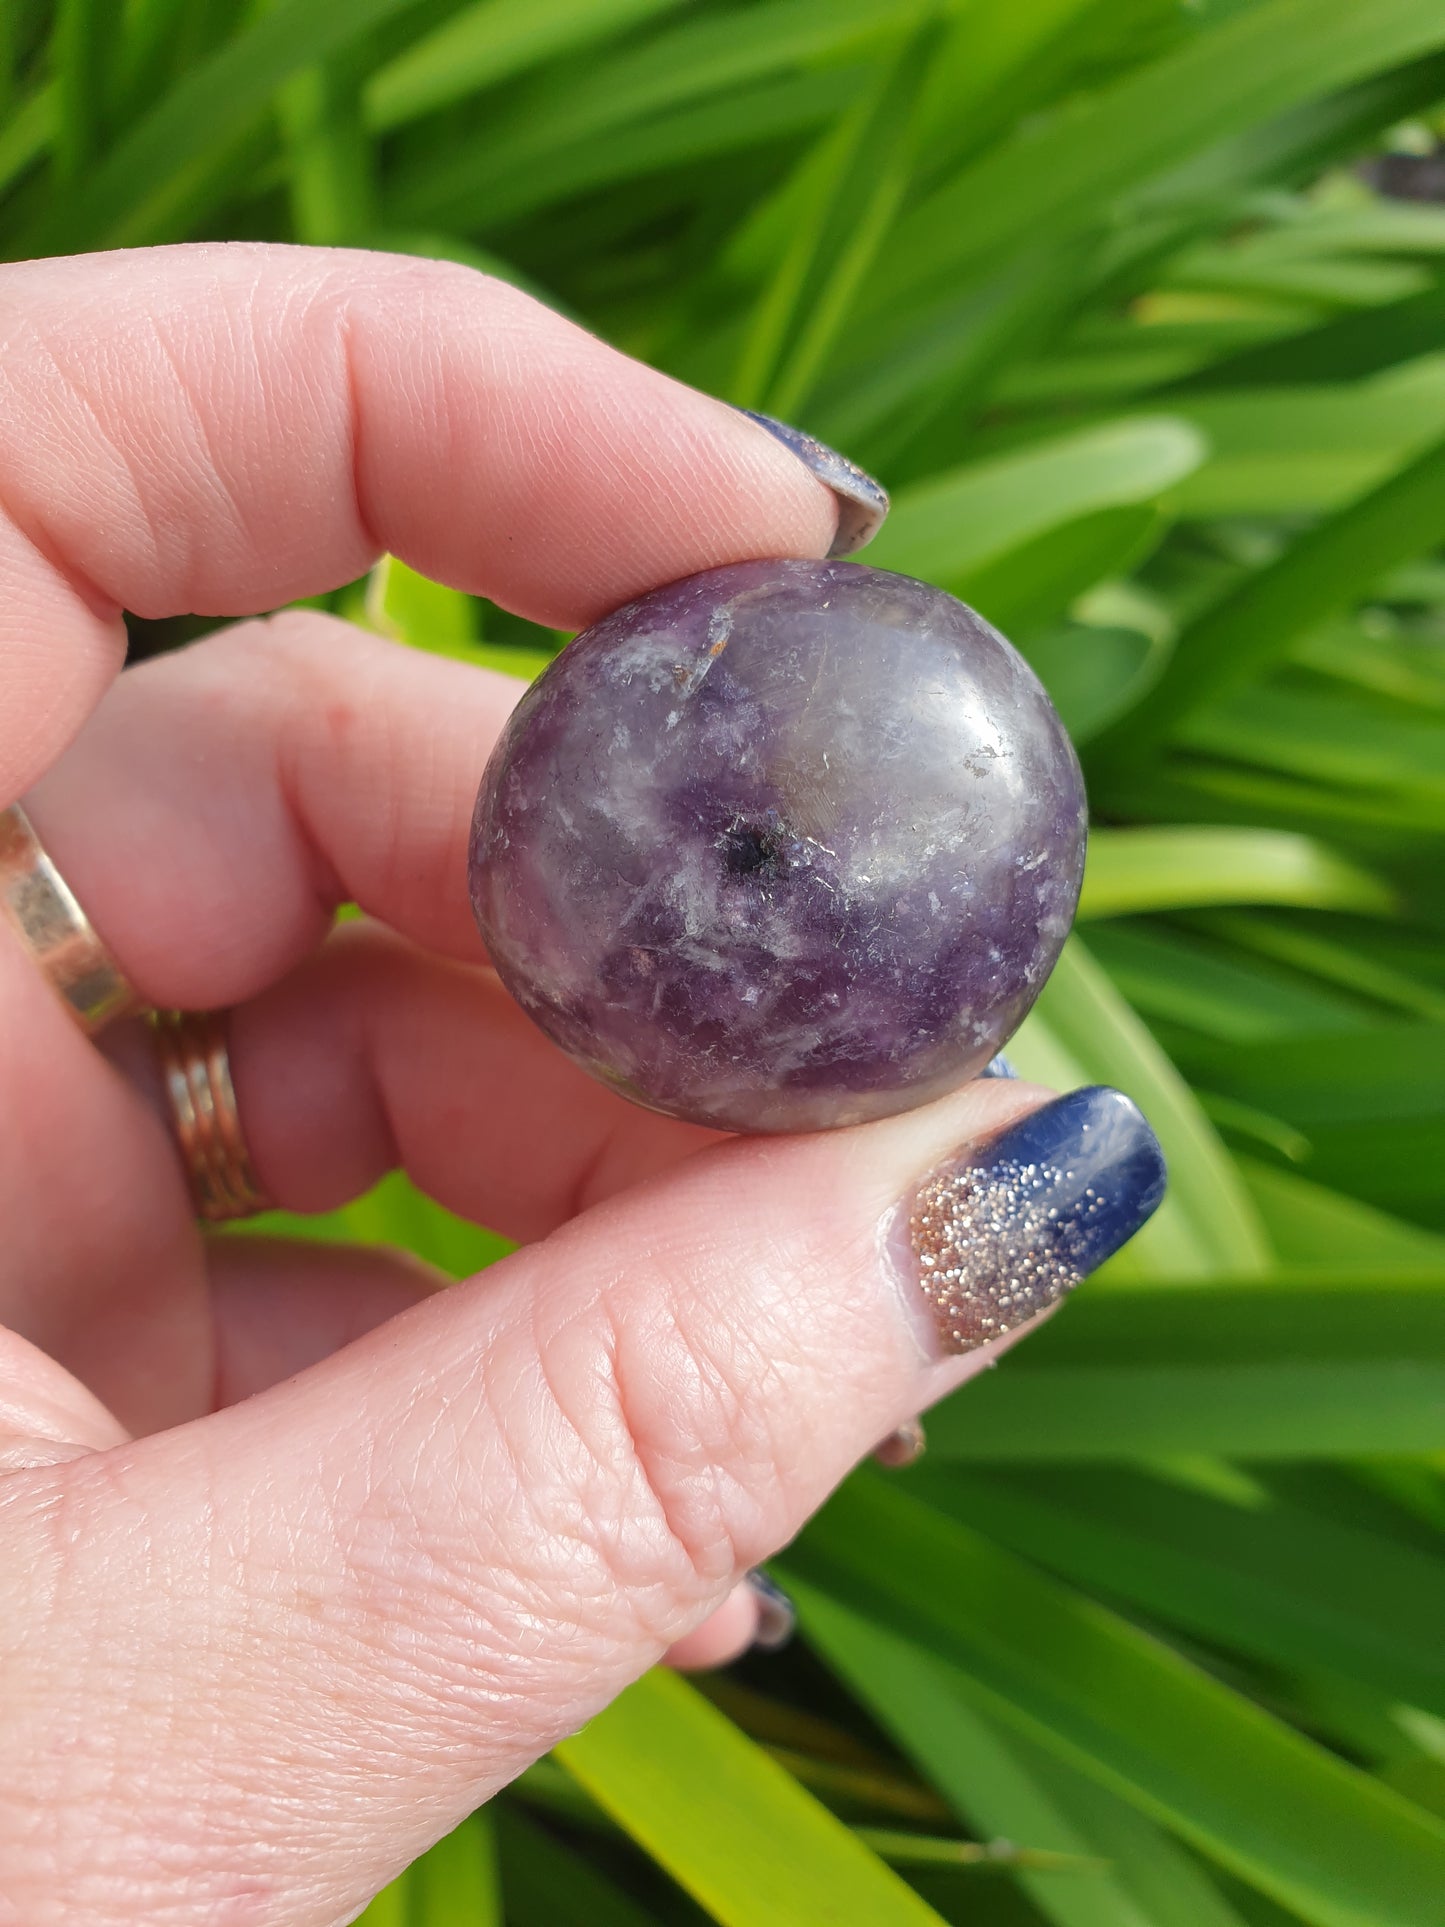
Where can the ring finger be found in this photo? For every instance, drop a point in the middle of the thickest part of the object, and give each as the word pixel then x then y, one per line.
pixel 306 763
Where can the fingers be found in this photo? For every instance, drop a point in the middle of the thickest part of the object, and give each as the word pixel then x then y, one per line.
pixel 370 1055
pixel 433 1554
pixel 373 1055
pixel 726 1634
pixel 222 801
pixel 280 1306
pixel 221 429
pixel 100 1264
pixel 46 1416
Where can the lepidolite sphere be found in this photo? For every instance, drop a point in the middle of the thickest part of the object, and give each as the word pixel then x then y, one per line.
pixel 781 846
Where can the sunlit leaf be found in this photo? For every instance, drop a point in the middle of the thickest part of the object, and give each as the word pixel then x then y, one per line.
pixel 1266 58
pixel 1313 1832
pixel 488 42
pixel 1166 869
pixel 661 1759
pixel 954 526
pixel 1082 1032
pixel 1321 1367
pixel 123 199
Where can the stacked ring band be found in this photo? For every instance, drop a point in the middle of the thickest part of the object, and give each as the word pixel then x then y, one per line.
pixel 55 930
pixel 191 1052
pixel 190 1045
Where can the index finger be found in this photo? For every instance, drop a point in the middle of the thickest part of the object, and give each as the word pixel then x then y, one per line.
pixel 222 428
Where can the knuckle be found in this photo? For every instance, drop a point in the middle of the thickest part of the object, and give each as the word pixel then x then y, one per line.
pixel 696 1397
pixel 616 1466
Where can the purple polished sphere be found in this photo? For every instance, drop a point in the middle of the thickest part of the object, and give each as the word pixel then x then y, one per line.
pixel 781 846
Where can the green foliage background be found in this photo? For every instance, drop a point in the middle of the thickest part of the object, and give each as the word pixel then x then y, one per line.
pixel 1153 1638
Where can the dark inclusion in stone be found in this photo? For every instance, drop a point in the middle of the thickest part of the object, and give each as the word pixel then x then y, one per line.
pixel 781 846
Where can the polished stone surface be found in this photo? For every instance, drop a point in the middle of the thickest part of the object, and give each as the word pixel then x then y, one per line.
pixel 782 846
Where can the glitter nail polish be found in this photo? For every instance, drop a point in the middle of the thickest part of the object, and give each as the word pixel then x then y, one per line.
pixel 998 1067
pixel 862 502
pixel 1002 1236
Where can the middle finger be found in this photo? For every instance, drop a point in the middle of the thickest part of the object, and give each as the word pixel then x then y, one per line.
pixel 222 801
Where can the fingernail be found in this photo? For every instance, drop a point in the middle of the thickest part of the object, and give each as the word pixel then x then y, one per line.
pixel 777 1615
pixel 999 1237
pixel 902 1447
pixel 862 502
pixel 998 1067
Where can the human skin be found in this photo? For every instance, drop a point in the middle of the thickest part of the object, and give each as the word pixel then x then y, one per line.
pixel 301 1558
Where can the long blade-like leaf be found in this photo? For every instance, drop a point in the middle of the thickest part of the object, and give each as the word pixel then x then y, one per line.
pixel 726 1821
pixel 1130 871
pixel 1257 1371
pixel 124 197
pixel 1286 1815
pixel 1322 572
pixel 1265 59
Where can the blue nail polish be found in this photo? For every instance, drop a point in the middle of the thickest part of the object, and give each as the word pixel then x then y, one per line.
pixel 777 1615
pixel 999 1238
pixel 862 502
pixel 998 1067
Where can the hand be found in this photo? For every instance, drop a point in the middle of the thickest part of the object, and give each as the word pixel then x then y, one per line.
pixel 301 1558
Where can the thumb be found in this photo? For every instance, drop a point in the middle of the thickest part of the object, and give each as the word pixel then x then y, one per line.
pixel 337 1617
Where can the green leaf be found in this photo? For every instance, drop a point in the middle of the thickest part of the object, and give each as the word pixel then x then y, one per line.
pixel 1371 1101
pixel 1183 978
pixel 486 192
pixel 950 528
pixel 82 48
pixel 1344 963
pixel 27 131
pixel 547 1884
pixel 457 1884
pixel 491 41
pixel 1322 572
pixel 1280 1812
pixel 851 190
pixel 1346 349
pixel 1170 868
pixel 331 185
pixel 1310 448
pixel 1320 1367
pixel 1091 154
pixel 595 129
pixel 1093 673
pixel 662 1761
pixel 1004 1786
pixel 1377 1074
pixel 402 603
pixel 922 361
pixel 124 198
pixel 1268 1579
pixel 427 615
pixel 391 1907
pixel 1004 63
pixel 1038 583
pixel 394 1212
pixel 1311 1225
pixel 1321 732
pixel 1082 1032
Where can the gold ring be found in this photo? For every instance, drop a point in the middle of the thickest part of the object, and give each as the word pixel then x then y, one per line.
pixel 191 1052
pixel 56 931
